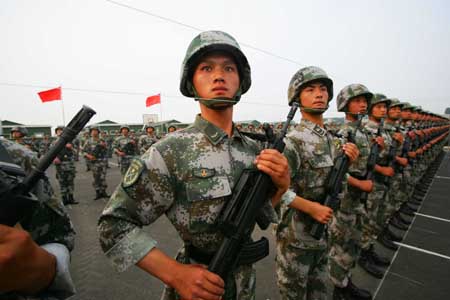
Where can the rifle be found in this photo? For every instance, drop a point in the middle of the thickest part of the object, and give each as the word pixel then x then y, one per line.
pixel 372 161
pixel 99 151
pixel 240 214
pixel 16 202
pixel 334 185
pixel 391 158
pixel 129 149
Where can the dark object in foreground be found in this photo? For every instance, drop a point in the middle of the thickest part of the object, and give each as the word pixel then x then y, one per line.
pixel 16 202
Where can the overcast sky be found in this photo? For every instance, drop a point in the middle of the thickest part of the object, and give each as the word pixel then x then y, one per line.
pixel 111 57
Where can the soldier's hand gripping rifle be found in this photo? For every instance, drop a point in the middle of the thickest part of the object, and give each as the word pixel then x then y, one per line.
pixel 240 214
pixel 334 185
pixel 391 161
pixel 16 202
pixel 372 161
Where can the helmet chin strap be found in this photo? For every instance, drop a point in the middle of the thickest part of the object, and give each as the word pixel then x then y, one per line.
pixel 218 103
pixel 314 111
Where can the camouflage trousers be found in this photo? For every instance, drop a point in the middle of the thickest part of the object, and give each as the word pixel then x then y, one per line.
pixel 65 174
pixel 240 284
pixel 370 228
pixel 344 240
pixel 125 162
pixel 391 201
pixel 301 273
pixel 99 173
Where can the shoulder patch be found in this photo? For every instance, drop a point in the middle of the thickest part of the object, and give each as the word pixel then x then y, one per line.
pixel 319 130
pixel 133 173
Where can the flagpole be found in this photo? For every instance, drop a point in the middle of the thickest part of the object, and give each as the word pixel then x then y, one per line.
pixel 62 108
pixel 160 107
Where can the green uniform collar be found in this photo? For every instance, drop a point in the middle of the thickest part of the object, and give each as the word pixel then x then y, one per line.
pixel 214 134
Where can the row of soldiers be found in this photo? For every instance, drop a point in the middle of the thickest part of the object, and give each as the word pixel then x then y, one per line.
pixel 190 175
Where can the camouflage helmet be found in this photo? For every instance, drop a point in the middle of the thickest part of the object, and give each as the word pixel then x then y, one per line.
pixel 407 105
pixel 307 75
pixel 349 92
pixel 94 127
pixel 395 102
pixel 59 127
pixel 20 129
pixel 204 43
pixel 378 98
pixel 147 126
pixel 122 126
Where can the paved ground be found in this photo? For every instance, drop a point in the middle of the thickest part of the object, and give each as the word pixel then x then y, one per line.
pixel 420 268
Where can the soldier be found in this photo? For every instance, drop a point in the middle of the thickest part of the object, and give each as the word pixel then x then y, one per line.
pixel 369 260
pixel 188 176
pixel 35 254
pixel 172 128
pixel 44 145
pixel 95 150
pixel 301 262
pixel 18 134
pixel 145 141
pixel 345 229
pixel 83 139
pixel 125 148
pixel 65 170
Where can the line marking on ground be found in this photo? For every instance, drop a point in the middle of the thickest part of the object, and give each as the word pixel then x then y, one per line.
pixel 442 177
pixel 422 250
pixel 409 279
pixel 432 217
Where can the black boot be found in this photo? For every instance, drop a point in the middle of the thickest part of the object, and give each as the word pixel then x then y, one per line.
pixel 404 209
pixel 71 200
pixel 98 195
pixel 397 224
pixel 402 219
pixel 393 236
pixel 378 259
pixel 65 201
pixel 351 292
pixel 368 265
pixel 385 240
pixel 104 194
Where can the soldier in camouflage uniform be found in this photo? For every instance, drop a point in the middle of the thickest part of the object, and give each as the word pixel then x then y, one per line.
pixel 95 150
pixel 148 139
pixel 65 170
pixel 44 145
pixel 35 254
pixel 369 260
pixel 346 226
pixel 125 147
pixel 188 176
pixel 301 261
pixel 83 139
pixel 18 134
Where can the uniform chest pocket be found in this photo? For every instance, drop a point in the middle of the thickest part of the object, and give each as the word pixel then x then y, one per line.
pixel 320 164
pixel 206 197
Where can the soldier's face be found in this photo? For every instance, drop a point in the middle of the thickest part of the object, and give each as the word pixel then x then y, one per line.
pixel 394 112
pixel 314 95
pixel 58 132
pixel 357 105
pixel 150 130
pixel 124 131
pixel 94 133
pixel 379 110
pixel 406 114
pixel 16 135
pixel 216 76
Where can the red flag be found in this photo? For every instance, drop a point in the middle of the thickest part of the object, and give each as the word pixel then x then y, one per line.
pixel 50 95
pixel 153 100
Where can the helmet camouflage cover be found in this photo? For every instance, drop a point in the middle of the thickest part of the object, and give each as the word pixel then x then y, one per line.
pixel 59 127
pixel 379 98
pixel 395 102
pixel 349 92
pixel 307 75
pixel 205 43
pixel 20 129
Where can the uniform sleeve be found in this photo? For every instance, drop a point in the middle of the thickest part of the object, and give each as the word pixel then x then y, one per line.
pixel 145 193
pixel 292 154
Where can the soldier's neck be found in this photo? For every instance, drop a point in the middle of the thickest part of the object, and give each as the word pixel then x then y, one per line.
pixel 373 119
pixel 314 118
pixel 220 118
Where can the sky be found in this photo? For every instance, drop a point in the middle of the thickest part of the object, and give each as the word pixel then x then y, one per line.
pixel 111 55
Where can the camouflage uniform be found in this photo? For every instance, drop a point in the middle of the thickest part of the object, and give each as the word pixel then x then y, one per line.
pixel 187 176
pixel 122 143
pixel 65 174
pixel 145 141
pixel 301 260
pixel 97 148
pixel 346 226
pixel 44 145
pixel 49 226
